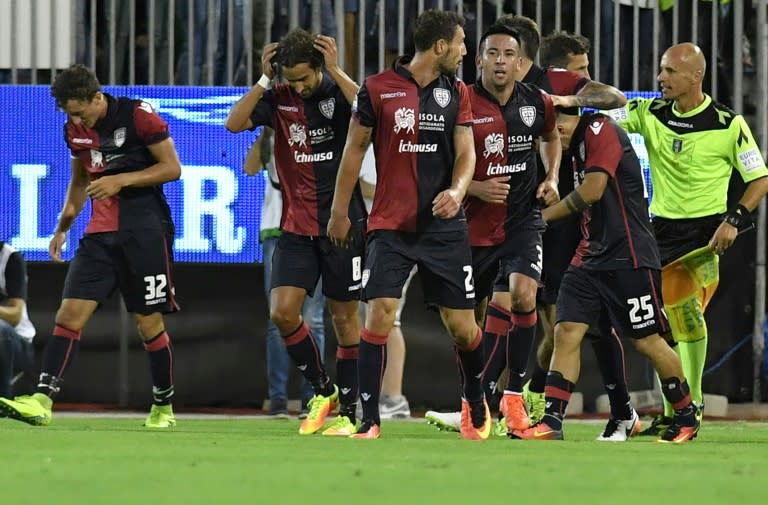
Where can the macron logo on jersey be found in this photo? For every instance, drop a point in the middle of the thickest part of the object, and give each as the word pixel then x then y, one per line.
pixel 82 141
pixel 596 127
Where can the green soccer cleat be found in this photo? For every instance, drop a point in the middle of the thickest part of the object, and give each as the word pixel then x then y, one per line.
pixel 499 428
pixel 32 409
pixel 342 426
pixel 319 408
pixel 658 426
pixel 160 416
pixel 535 403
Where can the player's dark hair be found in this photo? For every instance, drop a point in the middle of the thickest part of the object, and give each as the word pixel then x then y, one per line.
pixel 528 30
pixel 298 46
pixel 77 83
pixel 556 47
pixel 499 29
pixel 433 25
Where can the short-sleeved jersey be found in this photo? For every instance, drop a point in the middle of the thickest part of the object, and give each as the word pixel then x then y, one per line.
pixel 557 81
pixel 616 230
pixel 309 140
pixel 119 143
pixel 413 130
pixel 13 284
pixel 692 154
pixel 505 145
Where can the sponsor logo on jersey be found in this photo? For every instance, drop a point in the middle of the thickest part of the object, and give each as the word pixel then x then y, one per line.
pixel 679 124
pixel 288 108
pixel 483 120
pixel 410 147
pixel 97 160
pixel 442 97
pixel 405 119
pixel 119 137
pixel 312 157
pixel 327 107
pixel 396 94
pixel 494 145
pixel 77 140
pixel 297 134
pixel 751 160
pixel 499 169
pixel 146 108
pixel 528 115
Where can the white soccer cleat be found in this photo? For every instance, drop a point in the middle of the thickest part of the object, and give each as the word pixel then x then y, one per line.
pixel 620 430
pixel 445 421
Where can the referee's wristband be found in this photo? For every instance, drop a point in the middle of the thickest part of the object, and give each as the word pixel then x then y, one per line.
pixel 264 81
pixel 738 216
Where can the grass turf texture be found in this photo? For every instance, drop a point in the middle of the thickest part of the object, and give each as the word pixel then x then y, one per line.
pixel 116 461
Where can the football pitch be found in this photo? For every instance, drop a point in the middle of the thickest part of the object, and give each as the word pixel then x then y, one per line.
pixel 95 460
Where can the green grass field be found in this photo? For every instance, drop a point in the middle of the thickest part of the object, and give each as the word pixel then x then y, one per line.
pixel 115 461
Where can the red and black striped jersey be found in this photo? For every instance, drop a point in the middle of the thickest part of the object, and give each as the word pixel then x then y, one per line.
pixel 309 140
pixel 119 143
pixel 413 130
pixel 616 230
pixel 505 145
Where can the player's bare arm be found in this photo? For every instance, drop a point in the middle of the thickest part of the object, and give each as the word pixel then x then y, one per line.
pixel 358 139
pixel 493 190
pixel 594 94
pixel 726 233
pixel 167 168
pixel 447 203
pixel 551 152
pixel 239 118
pixel 589 192
pixel 254 161
pixel 327 46
pixel 73 205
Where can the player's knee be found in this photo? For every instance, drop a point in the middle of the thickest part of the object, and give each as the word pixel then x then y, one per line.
pixel 347 325
pixel 568 336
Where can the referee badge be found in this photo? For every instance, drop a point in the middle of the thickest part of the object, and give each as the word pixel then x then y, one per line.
pixel 677 145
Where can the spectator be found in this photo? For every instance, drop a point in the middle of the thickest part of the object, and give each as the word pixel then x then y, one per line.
pixel 16 330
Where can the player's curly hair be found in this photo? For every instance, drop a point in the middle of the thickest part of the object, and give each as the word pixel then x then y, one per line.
pixel 77 83
pixel 528 30
pixel 556 47
pixel 433 25
pixel 298 46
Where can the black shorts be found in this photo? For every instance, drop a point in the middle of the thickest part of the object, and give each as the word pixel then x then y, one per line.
pixel 629 299
pixel 678 237
pixel 138 262
pixel 560 242
pixel 299 261
pixel 444 261
pixel 521 254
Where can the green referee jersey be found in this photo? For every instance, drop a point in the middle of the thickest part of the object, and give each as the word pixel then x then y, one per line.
pixel 692 154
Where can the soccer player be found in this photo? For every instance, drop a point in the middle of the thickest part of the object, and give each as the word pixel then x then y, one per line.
pixel 614 277
pixel 310 116
pixel 418 115
pixel 122 154
pixel 693 143
pixel 560 239
pixel 568 89
pixel 503 210
pixel 16 330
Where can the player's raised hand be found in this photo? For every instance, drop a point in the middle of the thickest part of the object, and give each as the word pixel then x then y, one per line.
pixel 547 193
pixel 270 50
pixel 327 46
pixel 493 190
pixel 447 203
pixel 56 245
pixel 338 229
